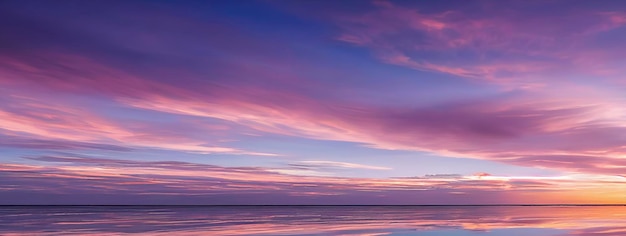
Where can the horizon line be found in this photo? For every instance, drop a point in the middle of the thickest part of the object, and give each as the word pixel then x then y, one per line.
pixel 299 205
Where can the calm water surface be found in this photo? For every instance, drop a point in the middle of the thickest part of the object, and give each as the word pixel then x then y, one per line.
pixel 315 220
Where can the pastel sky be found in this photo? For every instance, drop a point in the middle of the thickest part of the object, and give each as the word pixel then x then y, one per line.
pixel 312 102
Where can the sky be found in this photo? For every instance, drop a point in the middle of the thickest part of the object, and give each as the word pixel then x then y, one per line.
pixel 312 102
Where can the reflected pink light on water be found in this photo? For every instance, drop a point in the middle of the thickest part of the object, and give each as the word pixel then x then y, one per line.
pixel 317 220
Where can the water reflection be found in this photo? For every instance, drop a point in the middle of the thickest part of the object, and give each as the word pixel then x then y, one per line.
pixel 316 220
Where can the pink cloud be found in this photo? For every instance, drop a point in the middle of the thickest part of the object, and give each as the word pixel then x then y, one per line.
pixel 497 43
pixel 538 128
pixel 533 124
pixel 501 131
pixel 80 175
pixel 36 121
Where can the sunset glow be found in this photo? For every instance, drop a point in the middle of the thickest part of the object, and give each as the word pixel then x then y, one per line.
pixel 313 102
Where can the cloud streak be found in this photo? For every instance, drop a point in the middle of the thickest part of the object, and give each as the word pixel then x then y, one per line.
pixel 545 95
pixel 508 130
pixel 495 41
pixel 79 175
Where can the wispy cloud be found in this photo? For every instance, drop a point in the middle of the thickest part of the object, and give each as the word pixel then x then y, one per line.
pixel 156 82
pixel 494 41
pixel 507 130
pixel 335 164
pixel 41 122
pixel 77 175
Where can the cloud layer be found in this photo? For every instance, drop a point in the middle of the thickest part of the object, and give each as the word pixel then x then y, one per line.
pixel 163 82
pixel 114 179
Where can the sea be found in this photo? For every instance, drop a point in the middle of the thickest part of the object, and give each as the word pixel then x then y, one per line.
pixel 509 220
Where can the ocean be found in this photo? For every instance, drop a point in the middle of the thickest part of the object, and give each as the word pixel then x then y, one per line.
pixel 314 220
